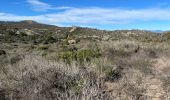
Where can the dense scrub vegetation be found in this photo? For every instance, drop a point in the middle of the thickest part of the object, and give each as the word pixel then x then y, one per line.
pixel 83 64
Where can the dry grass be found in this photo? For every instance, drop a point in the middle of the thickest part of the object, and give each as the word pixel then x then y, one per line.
pixel 37 78
pixel 126 70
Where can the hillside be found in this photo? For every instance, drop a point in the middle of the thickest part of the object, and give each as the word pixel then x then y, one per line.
pixel 29 24
pixel 46 62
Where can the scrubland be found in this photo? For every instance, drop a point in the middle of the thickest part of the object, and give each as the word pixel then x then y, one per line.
pixel 101 65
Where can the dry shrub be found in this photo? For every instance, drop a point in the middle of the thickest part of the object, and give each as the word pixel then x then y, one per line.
pixel 35 77
pixel 2 52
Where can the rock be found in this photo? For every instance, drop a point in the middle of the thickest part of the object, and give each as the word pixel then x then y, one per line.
pixel 58 31
pixel 95 37
pixel 73 29
pixel 26 32
pixel 106 38
pixel 71 41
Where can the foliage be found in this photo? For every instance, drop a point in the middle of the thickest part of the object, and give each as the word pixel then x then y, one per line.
pixel 2 52
pixel 42 47
pixel 80 55
pixel 11 36
pixel 166 36
pixel 126 66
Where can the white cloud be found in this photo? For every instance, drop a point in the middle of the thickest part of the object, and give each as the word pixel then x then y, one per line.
pixel 42 6
pixel 95 16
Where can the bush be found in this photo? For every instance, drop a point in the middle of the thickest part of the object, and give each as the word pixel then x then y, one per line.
pixel 10 59
pixel 2 94
pixel 87 55
pixel 111 53
pixel 36 77
pixel 81 55
pixel 2 52
pixel 143 65
pixel 11 36
pixel 166 36
pixel 65 82
pixel 67 56
pixel 42 47
pixel 15 58
pixel 115 74
pixel 152 54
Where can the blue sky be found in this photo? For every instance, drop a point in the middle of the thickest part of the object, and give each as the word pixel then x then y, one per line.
pixel 102 14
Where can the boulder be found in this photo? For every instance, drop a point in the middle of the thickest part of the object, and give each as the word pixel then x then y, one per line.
pixel 26 32
pixel 71 41
pixel 73 29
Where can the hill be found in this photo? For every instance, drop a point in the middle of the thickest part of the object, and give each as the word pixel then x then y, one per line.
pixel 46 62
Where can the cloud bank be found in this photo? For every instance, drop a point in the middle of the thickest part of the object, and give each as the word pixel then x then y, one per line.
pixel 93 16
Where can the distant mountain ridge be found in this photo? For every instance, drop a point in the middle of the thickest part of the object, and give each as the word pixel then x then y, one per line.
pixel 16 22
pixel 26 24
pixel 31 24
pixel 157 31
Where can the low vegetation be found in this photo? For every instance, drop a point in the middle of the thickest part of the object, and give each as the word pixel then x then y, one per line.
pixel 2 52
pixel 81 55
pixel 38 63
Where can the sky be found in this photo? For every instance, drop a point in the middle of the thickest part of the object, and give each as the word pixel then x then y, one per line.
pixel 101 14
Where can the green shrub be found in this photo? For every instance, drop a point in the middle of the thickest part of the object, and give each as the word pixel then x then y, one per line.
pixel 67 56
pixel 81 55
pixel 166 36
pixel 87 55
pixel 78 85
pixel 65 42
pixel 46 38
